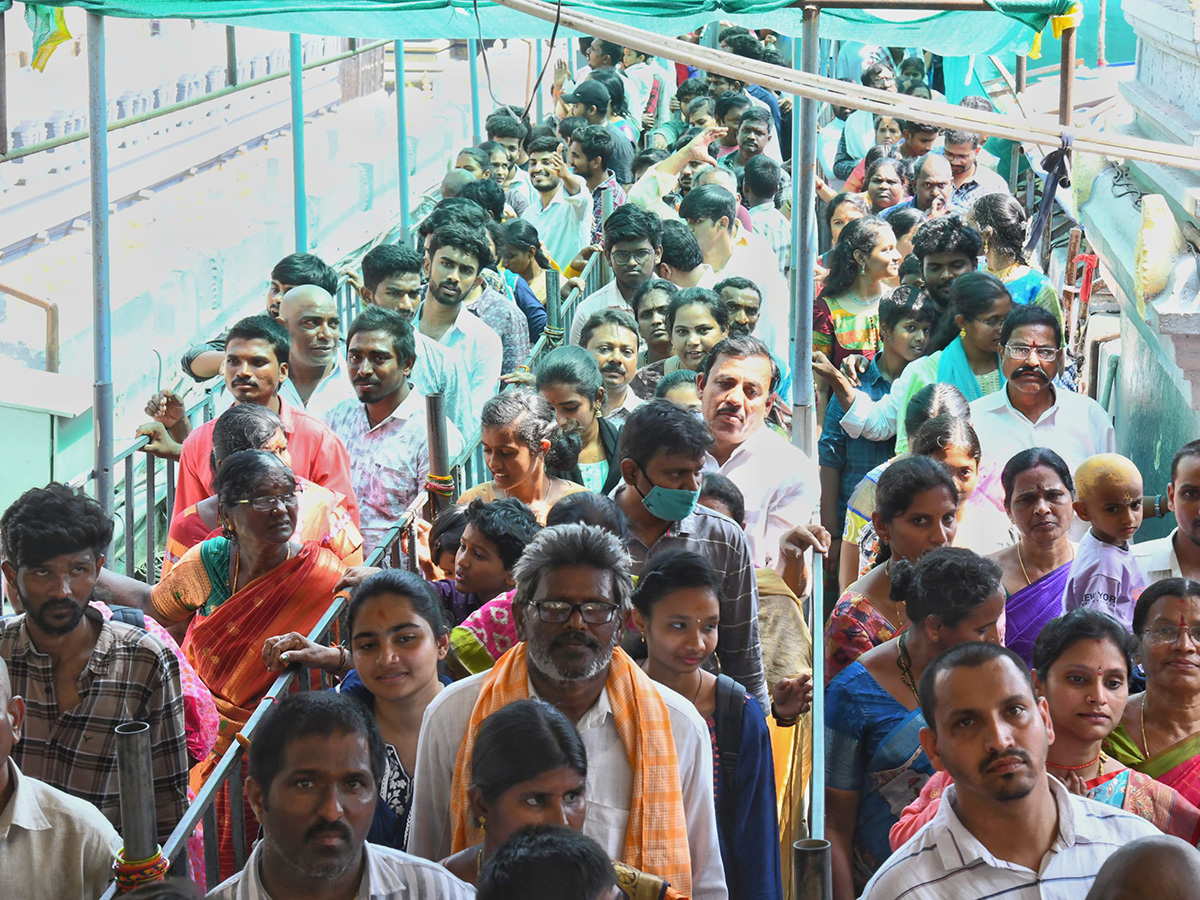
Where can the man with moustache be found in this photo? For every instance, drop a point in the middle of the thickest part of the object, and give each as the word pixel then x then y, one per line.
pixel 737 385
pixel 573 588
pixel 80 674
pixel 611 336
pixel 562 210
pixel 256 365
pixel 633 247
pixel 385 429
pixel 1029 411
pixel 316 768
pixel 1004 828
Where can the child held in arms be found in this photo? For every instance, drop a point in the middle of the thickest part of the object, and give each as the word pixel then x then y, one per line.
pixel 1105 574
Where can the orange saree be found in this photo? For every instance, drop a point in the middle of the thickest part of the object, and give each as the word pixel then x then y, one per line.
pixel 226 633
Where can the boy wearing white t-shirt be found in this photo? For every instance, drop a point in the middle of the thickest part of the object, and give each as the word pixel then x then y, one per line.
pixel 1105 574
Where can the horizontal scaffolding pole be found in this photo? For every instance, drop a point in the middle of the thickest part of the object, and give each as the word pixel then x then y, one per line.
pixel 839 93
pixel 85 133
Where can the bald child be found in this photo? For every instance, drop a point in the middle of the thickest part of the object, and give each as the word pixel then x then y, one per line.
pixel 1105 574
pixel 1163 867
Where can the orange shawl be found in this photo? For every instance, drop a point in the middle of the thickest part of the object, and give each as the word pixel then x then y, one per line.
pixel 656 837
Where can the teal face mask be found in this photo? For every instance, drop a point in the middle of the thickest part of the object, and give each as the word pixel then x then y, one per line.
pixel 669 504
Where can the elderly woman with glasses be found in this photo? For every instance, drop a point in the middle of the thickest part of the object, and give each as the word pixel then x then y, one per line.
pixel 228 594
pixel 1159 733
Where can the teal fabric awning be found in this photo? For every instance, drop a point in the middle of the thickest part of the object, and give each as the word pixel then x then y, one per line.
pixel 1011 26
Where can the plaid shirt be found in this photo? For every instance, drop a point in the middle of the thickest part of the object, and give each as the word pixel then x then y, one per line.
pixel 130 677
pixel 722 543
pixel 853 458
pixel 619 198
pixel 774 228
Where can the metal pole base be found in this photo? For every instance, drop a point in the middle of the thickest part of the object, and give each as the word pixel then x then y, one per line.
pixel 812 870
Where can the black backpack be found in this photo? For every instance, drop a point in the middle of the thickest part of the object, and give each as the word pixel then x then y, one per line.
pixel 130 615
pixel 731 708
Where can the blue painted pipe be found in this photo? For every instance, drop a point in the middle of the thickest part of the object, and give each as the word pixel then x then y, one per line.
pixel 299 194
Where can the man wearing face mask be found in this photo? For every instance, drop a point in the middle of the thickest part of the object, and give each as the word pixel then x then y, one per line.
pixel 663 452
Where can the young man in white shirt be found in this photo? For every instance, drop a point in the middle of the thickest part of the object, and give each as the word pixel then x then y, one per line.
pixel 453 265
pixel 1178 554
pixel 562 210
pixel 1005 827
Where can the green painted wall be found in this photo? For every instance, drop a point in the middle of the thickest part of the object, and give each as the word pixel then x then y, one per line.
pixel 1152 417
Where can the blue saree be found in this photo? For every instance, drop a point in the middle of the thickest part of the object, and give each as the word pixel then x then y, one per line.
pixel 872 746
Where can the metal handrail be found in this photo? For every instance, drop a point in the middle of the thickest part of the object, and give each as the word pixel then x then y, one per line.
pixel 51 310
pixel 85 133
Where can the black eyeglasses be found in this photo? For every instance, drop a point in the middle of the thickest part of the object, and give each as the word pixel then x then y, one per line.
pixel 559 611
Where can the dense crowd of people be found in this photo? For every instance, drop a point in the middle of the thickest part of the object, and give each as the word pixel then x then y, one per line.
pixel 596 683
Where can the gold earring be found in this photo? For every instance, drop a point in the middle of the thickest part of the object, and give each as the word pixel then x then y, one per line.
pixel 483 823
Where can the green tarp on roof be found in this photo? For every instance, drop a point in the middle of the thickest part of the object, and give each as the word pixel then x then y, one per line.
pixel 1011 27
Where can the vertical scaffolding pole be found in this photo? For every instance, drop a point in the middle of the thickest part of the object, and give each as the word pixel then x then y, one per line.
pixel 401 138
pixel 102 388
pixel 804 240
pixel 816 621
pixel 539 60
pixel 473 59
pixel 299 193
pixel 1066 79
pixel 231 63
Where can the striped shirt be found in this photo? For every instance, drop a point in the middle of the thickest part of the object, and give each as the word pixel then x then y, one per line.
pixel 130 677
pixel 944 861
pixel 389 875
pixel 720 541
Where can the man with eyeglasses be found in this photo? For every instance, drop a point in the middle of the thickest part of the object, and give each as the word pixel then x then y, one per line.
pixel 1029 411
pixel 633 247
pixel 645 796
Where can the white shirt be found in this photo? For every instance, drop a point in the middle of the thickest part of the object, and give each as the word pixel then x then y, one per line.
pixel 565 225
pixel 608 297
pixel 388 875
pixel 1075 427
pixel 779 484
pixel 389 462
pixel 1104 577
pixel 609 782
pixel 639 79
pixel 482 354
pixel 442 369
pixel 754 259
pixel 773 227
pixel 52 844
pixel 944 861
pixel 621 413
pixel 1158 559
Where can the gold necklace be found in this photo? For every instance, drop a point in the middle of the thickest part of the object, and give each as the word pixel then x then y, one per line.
pixel 905 663
pixel 1021 560
pixel 1142 718
pixel 479 864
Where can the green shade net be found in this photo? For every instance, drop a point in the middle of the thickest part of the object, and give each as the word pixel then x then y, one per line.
pixel 1011 27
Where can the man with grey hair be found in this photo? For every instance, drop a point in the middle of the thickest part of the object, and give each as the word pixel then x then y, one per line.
pixel 573 585
pixel 933 188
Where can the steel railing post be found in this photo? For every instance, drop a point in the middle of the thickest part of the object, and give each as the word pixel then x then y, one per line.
pixel 299 192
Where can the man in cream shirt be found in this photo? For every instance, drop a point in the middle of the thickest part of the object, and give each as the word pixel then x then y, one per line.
pixel 1178 554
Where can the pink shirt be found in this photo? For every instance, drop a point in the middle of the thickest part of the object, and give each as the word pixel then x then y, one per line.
pixel 317 454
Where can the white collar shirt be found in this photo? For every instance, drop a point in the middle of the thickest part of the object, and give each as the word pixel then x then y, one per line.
pixel 388 875
pixel 482 353
pixel 1157 559
pixel 607 297
pixel 779 483
pixel 774 228
pixel 440 368
pixel 1075 427
pixel 564 224
pixel 66 841
pixel 945 861
pixel 610 779
pixel 389 462
pixel 621 413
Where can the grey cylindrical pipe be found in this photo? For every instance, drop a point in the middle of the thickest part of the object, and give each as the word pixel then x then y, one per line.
pixel 812 870
pixel 139 829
